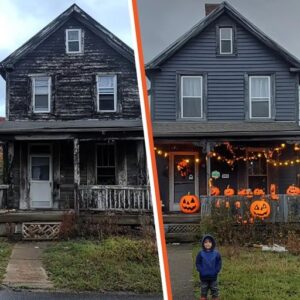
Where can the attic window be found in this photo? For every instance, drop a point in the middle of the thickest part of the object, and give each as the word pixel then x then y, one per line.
pixel 41 94
pixel 73 40
pixel 226 40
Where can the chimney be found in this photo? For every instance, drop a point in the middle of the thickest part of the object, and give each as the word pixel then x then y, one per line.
pixel 209 7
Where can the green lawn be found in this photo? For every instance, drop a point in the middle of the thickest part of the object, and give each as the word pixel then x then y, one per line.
pixel 5 251
pixel 250 274
pixel 115 264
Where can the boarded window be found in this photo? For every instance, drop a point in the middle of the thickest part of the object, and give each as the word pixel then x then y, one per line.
pixel 41 94
pixel 260 96
pixel 73 40
pixel 226 40
pixel 191 97
pixel 106 164
pixel 106 93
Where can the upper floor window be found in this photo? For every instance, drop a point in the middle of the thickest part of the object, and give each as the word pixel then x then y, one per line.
pixel 226 40
pixel 41 94
pixel 191 98
pixel 106 93
pixel 73 40
pixel 260 97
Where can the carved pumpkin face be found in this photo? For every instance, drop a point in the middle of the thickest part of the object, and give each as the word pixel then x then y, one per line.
pixel 260 209
pixel 273 192
pixel 228 191
pixel 189 204
pixel 214 191
pixel 245 193
pixel 293 190
pixel 258 192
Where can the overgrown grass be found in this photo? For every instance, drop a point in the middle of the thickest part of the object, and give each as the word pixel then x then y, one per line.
pixel 251 274
pixel 5 251
pixel 114 264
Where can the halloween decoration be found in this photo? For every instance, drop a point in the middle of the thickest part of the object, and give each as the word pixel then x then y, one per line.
pixel 214 191
pixel 229 191
pixel 183 168
pixel 260 209
pixel 258 192
pixel 293 190
pixel 227 204
pixel 237 204
pixel 189 204
pixel 273 189
pixel 251 220
pixel 245 193
pixel 218 204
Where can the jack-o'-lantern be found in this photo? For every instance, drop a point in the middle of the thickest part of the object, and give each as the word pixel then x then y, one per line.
pixel 258 192
pixel 229 191
pixel 189 204
pixel 274 196
pixel 245 193
pixel 227 204
pixel 260 209
pixel 293 190
pixel 214 191
pixel 217 204
pixel 237 204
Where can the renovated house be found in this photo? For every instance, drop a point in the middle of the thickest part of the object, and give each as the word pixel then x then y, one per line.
pixel 72 138
pixel 225 111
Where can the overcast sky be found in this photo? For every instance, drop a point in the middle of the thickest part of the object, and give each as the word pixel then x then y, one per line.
pixel 20 20
pixel 163 21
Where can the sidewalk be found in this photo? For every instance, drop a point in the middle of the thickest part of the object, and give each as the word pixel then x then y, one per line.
pixel 181 270
pixel 25 268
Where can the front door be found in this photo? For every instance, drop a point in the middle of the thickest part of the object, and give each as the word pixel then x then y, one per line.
pixel 183 177
pixel 40 181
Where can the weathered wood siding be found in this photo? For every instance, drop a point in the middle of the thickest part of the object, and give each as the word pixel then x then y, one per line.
pixel 73 91
pixel 225 76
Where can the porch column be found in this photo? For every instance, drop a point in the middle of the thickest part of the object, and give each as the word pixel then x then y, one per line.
pixel 76 174
pixel 208 168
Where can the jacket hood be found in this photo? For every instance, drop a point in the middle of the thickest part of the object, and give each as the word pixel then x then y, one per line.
pixel 213 241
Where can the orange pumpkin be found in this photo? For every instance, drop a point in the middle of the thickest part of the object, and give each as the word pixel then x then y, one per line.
pixel 293 190
pixel 214 191
pixel 229 191
pixel 245 193
pixel 260 209
pixel 189 204
pixel 258 192
pixel 273 189
pixel 237 204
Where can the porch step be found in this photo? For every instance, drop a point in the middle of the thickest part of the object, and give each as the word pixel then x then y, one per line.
pixel 40 231
pixel 179 232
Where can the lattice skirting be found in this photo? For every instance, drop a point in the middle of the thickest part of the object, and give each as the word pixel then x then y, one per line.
pixel 40 231
pixel 182 228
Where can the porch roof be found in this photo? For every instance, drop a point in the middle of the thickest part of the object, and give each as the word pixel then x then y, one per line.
pixel 195 129
pixel 16 127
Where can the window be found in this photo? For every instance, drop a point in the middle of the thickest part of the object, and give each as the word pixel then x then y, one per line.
pixel 226 40
pixel 260 97
pixel 191 99
pixel 106 168
pixel 41 94
pixel 107 93
pixel 73 40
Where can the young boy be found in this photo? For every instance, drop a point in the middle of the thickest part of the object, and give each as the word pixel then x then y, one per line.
pixel 209 263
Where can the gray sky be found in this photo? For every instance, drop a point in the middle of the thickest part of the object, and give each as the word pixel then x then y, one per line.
pixel 163 21
pixel 20 20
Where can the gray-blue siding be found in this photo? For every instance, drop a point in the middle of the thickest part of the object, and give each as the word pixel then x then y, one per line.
pixel 225 76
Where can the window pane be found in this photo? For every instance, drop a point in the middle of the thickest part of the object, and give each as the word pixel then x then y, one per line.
pixel 191 86
pixel 260 87
pixel 106 164
pixel 260 109
pixel 106 102
pixel 192 107
pixel 73 35
pixel 73 46
pixel 40 168
pixel 41 103
pixel 41 85
pixel 106 82
pixel 225 33
pixel 226 46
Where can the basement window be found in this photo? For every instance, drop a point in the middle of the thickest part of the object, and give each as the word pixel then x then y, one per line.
pixel 73 40
pixel 107 93
pixel 41 94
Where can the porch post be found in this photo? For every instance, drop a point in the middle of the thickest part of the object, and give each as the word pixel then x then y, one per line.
pixel 208 168
pixel 76 174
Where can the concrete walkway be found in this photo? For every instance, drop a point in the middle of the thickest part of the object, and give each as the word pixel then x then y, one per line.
pixel 25 268
pixel 181 270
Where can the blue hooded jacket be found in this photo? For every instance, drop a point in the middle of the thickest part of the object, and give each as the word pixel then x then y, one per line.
pixel 208 262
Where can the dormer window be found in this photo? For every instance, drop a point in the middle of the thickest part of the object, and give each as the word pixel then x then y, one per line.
pixel 41 94
pixel 226 40
pixel 73 41
pixel 107 93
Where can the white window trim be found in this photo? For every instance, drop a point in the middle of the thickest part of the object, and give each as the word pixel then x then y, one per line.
pixel 256 99
pixel 115 93
pixel 79 40
pixel 181 97
pixel 33 78
pixel 222 39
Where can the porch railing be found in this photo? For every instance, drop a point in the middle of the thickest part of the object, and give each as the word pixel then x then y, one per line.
pixel 3 195
pixel 286 209
pixel 114 198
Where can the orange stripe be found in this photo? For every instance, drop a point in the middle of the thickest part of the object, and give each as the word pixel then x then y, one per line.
pixel 151 144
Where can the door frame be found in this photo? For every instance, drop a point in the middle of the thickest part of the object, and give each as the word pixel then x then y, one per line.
pixel 171 175
pixel 50 155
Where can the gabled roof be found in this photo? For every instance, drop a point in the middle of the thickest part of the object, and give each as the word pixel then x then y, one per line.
pixel 200 26
pixel 80 15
